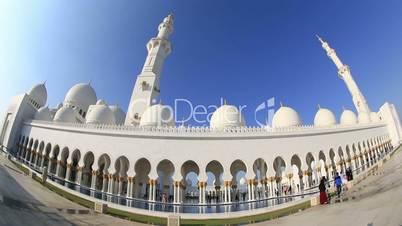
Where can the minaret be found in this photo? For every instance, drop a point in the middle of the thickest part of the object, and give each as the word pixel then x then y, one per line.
pixel 146 88
pixel 344 73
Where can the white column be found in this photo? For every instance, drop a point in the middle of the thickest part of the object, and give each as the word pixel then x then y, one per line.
pixel 252 190
pixel 93 183
pixel 150 192
pixel 272 188
pixel 130 185
pixel 175 194
pixel 93 179
pixel 110 184
pixel 248 190
pixel 180 193
pixel 154 191
pixel 200 192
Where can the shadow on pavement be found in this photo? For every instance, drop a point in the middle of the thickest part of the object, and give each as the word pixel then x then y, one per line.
pixel 19 207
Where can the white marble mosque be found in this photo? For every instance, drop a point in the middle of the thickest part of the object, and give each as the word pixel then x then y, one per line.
pixel 143 155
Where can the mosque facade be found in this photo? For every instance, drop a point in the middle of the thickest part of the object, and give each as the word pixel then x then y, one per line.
pixel 143 155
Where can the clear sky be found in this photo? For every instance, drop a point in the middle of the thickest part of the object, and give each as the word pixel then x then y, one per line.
pixel 243 51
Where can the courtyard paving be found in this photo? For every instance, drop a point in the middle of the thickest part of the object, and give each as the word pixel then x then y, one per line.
pixel 376 201
pixel 25 202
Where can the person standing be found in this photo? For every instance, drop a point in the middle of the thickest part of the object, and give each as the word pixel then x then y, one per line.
pixel 323 192
pixel 338 184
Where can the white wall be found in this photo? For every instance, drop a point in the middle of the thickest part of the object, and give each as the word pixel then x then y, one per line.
pixel 202 147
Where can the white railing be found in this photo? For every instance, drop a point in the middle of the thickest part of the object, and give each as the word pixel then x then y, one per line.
pixel 250 130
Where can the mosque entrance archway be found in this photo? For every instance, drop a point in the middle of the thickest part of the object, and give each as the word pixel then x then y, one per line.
pixel 142 168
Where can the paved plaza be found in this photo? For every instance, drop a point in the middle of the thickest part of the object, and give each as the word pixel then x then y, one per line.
pixel 377 201
pixel 25 202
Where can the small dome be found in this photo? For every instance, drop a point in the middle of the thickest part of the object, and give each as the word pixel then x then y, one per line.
pixel 39 94
pixel 119 114
pixel 66 114
pixel 100 114
pixel 348 117
pixel 156 116
pixel 363 117
pixel 101 102
pixel 43 114
pixel 81 96
pixel 324 117
pixel 286 117
pixel 374 117
pixel 226 116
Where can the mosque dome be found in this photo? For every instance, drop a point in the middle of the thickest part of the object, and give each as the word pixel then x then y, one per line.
pixel 100 114
pixel 66 114
pixel 286 117
pixel 226 116
pixel 348 117
pixel 363 117
pixel 80 97
pixel 374 117
pixel 43 114
pixel 39 94
pixel 119 114
pixel 156 116
pixel 324 117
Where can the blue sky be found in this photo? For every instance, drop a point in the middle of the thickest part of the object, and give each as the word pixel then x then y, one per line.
pixel 243 51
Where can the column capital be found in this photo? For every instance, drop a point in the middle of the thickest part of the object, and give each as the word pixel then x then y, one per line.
pixel 202 184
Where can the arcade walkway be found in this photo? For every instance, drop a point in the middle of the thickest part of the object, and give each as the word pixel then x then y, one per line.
pixel 25 202
pixel 377 202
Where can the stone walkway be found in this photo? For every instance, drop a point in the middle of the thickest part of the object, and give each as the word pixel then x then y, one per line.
pixel 25 202
pixel 376 201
